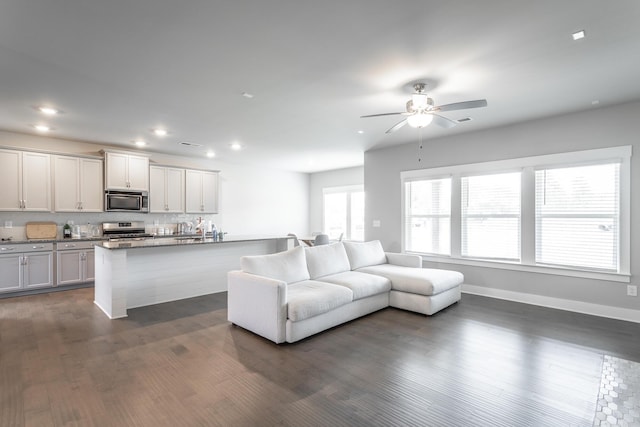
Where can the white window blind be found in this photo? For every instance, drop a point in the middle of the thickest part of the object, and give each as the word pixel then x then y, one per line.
pixel 577 216
pixel 428 216
pixel 490 216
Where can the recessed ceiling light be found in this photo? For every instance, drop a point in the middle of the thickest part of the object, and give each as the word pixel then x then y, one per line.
pixel 140 143
pixel 210 154
pixel 360 131
pixel 42 128
pixel 247 95
pixel 235 146
pixel 578 35
pixel 49 111
pixel 160 132
pixel 595 102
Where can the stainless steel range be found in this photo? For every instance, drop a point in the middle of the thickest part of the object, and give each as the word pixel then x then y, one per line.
pixel 125 230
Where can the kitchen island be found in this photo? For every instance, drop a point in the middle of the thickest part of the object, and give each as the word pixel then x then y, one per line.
pixel 138 273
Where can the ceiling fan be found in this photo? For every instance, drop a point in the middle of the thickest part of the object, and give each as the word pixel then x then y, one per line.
pixel 421 111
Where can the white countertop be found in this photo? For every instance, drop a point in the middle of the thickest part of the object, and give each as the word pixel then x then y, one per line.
pixel 183 241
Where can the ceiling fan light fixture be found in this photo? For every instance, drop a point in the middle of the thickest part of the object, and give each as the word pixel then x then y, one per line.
pixel 419 120
pixel 419 101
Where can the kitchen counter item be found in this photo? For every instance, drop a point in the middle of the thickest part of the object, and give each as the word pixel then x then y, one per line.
pixel 41 230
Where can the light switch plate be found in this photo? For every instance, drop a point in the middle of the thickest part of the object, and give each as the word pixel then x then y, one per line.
pixel 376 223
pixel 632 290
pixel 8 224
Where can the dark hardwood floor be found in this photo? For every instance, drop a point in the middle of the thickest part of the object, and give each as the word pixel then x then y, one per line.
pixel 480 362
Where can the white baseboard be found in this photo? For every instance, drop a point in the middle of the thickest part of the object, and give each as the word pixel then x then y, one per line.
pixel 558 303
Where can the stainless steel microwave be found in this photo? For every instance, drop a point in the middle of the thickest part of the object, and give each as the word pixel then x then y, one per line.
pixel 126 201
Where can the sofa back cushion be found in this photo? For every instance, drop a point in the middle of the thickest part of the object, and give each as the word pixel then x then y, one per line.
pixel 365 254
pixel 289 266
pixel 324 260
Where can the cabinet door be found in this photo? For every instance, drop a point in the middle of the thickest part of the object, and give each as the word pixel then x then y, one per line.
pixel 38 270
pixel 36 182
pixel 91 188
pixel 89 266
pixel 175 190
pixel 10 177
pixel 157 189
pixel 66 177
pixel 10 268
pixel 69 265
pixel 193 191
pixel 210 192
pixel 116 171
pixel 138 173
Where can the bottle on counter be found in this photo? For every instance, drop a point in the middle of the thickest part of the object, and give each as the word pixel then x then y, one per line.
pixel 214 232
pixel 66 231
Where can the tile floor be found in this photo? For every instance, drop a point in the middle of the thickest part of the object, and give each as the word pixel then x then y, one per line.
pixel 619 396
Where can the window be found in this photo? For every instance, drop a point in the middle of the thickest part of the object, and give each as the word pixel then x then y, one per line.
pixel 428 216
pixel 566 213
pixel 577 216
pixel 344 212
pixel 491 216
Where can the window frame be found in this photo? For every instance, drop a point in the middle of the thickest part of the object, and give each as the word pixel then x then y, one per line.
pixel 348 190
pixel 527 166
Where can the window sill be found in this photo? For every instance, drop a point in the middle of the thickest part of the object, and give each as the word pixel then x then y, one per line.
pixel 557 271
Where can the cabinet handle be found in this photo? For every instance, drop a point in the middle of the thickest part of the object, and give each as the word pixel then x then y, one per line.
pixel 70 245
pixel 37 247
pixel 8 249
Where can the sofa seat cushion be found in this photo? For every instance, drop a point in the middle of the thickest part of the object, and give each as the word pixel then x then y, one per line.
pixel 324 260
pixel 310 298
pixel 363 254
pixel 289 266
pixel 361 284
pixel 422 281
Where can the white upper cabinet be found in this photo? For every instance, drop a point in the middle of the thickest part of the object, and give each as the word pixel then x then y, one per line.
pixel 126 172
pixel 201 191
pixel 166 189
pixel 77 184
pixel 26 181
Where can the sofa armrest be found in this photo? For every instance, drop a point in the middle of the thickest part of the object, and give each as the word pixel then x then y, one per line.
pixel 258 304
pixel 404 260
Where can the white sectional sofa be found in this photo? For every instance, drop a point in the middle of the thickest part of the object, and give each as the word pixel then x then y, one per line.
pixel 291 295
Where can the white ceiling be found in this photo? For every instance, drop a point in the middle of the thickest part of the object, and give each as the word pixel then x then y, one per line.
pixel 119 68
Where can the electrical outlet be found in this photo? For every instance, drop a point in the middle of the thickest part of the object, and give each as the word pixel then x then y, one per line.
pixel 8 224
pixel 632 290
pixel 376 223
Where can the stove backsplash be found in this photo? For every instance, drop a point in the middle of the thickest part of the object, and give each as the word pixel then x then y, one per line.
pixel 152 221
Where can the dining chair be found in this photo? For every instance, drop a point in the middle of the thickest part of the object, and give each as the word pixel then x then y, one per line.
pixel 321 239
pixel 296 241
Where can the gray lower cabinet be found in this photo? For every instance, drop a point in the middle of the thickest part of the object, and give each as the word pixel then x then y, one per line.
pixel 75 263
pixel 26 266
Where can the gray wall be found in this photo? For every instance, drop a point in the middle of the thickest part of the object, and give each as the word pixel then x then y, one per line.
pixel 334 178
pixel 597 128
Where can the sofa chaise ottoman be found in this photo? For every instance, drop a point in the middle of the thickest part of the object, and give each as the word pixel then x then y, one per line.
pixel 291 295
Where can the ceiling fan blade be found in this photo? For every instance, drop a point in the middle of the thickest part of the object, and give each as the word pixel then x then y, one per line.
pixel 396 126
pixel 443 121
pixel 380 115
pixel 462 105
